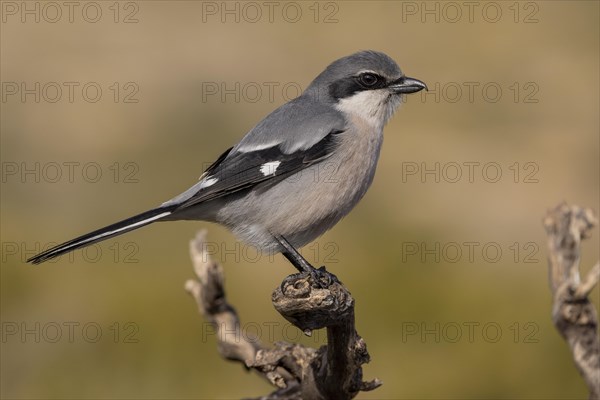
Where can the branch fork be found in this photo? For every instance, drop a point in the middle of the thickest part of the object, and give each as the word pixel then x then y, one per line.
pixel 307 301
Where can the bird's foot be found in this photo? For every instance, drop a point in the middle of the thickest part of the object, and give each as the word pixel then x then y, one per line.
pixel 321 278
pixel 315 278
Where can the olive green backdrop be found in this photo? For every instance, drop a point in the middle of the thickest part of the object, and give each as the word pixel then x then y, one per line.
pixel 108 109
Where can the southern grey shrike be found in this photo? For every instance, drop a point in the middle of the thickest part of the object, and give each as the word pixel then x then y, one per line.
pixel 269 189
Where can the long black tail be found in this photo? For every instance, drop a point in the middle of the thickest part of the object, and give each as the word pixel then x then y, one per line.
pixel 99 235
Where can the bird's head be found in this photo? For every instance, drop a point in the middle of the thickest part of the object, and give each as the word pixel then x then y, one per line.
pixel 367 84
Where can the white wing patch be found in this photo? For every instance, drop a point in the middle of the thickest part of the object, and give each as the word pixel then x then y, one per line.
pixel 208 181
pixel 269 168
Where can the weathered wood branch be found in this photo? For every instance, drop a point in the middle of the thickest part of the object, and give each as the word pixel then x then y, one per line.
pixel 574 316
pixel 333 371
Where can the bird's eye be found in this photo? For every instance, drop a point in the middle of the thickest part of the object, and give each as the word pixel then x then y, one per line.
pixel 368 79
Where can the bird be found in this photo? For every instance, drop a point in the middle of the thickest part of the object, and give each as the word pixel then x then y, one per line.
pixel 296 173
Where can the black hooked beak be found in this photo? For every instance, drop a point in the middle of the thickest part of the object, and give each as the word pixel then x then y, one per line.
pixel 407 85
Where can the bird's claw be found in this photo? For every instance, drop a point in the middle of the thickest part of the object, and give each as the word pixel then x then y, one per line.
pixel 322 279
pixel 312 278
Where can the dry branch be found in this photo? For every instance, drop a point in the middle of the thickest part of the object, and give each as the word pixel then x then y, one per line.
pixel 574 316
pixel 330 372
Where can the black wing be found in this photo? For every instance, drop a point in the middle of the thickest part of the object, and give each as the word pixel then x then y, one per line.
pixel 233 172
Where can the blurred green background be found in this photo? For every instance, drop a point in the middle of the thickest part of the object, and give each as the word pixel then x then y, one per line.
pixel 514 90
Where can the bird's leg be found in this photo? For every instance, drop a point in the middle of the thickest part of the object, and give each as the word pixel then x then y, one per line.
pixel 294 256
pixel 319 276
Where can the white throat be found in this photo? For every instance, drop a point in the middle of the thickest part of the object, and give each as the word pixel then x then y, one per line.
pixel 375 107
